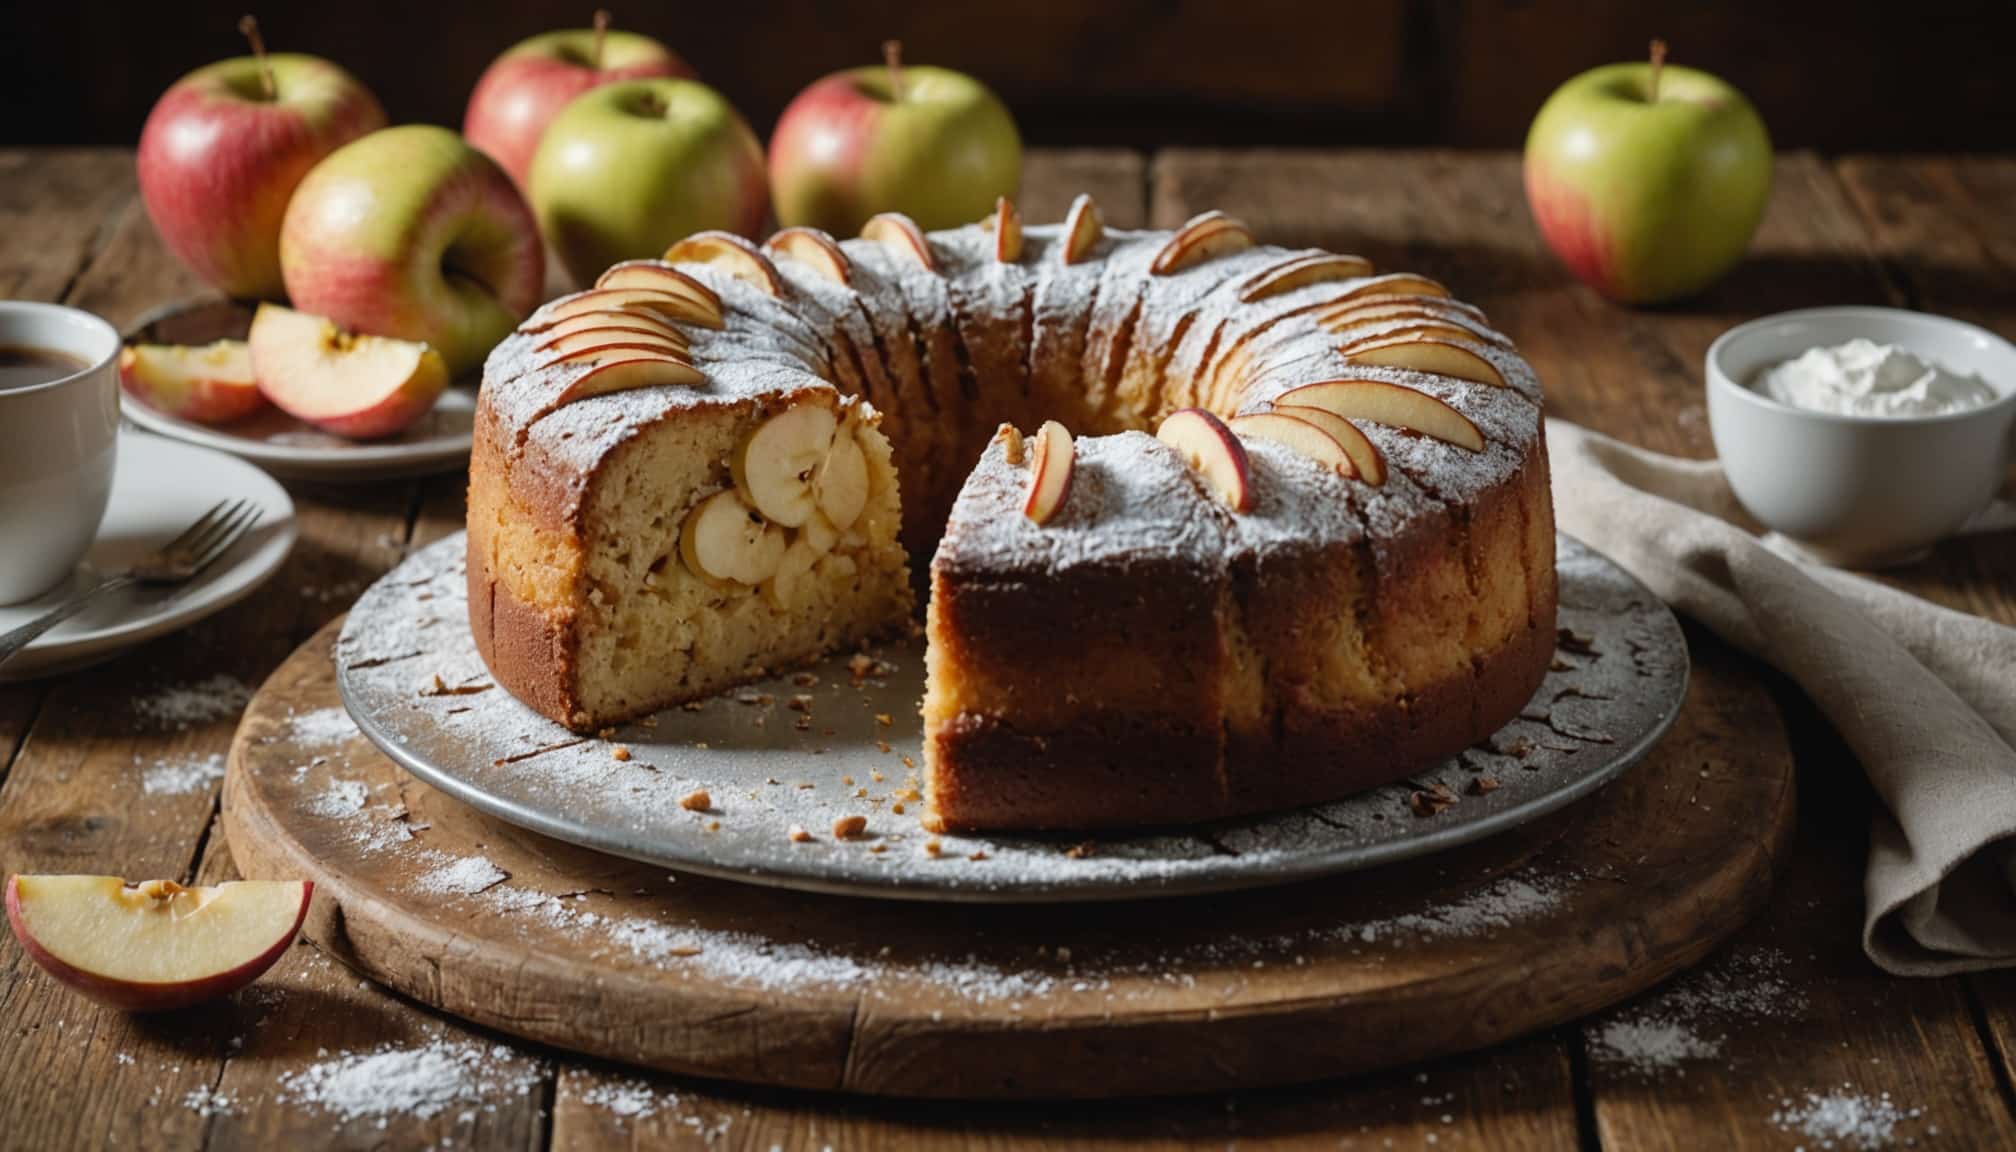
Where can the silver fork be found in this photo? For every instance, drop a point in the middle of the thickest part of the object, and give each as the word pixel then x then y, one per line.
pixel 175 562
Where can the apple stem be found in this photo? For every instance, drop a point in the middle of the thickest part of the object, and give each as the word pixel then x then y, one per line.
pixel 601 32
pixel 1658 63
pixel 892 55
pixel 248 27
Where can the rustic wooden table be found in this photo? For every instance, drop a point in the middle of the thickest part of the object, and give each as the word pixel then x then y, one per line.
pixel 1802 1021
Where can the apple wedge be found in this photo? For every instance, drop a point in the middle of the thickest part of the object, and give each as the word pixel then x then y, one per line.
pixel 1384 309
pixel 731 254
pixel 814 249
pixel 1366 461
pixel 155 946
pixel 901 234
pixel 643 301
pixel 1391 284
pixel 1385 402
pixel 774 467
pixel 1006 225
pixel 1082 230
pixel 572 344
pixel 1302 271
pixel 1303 436
pixel 360 387
pixel 1208 446
pixel 1410 331
pixel 1051 464
pixel 724 541
pixel 1205 236
pixel 210 384
pixel 1425 354
pixel 615 320
pixel 624 371
pixel 703 304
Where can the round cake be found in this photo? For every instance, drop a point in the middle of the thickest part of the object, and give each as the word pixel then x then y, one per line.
pixel 1215 527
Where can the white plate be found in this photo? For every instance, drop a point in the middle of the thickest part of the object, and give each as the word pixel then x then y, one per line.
pixel 160 489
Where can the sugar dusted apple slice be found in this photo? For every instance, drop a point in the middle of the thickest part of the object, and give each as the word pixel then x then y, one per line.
pixel 1005 224
pixel 613 320
pixel 773 468
pixel 814 249
pixel 1302 271
pixel 733 255
pixel 1385 402
pixel 156 945
pixel 1082 229
pixel 572 344
pixel 1052 460
pixel 900 234
pixel 1424 354
pixel 1303 436
pixel 1385 309
pixel 702 302
pixel 1208 446
pixel 210 384
pixel 644 301
pixel 356 386
pixel 1408 331
pixel 1391 284
pixel 1205 236
pixel 724 540
pixel 626 371
pixel 1366 460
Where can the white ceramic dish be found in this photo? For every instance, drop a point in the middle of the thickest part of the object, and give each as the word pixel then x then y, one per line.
pixel 1861 491
pixel 160 489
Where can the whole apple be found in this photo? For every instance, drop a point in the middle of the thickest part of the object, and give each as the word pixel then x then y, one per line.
pixel 412 233
pixel 928 142
pixel 1646 180
pixel 225 147
pixel 626 169
pixel 522 90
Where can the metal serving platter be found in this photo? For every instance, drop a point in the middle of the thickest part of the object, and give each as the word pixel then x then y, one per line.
pixel 799 751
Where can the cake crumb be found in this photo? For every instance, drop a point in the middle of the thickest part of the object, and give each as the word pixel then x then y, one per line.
pixel 878 848
pixel 1431 801
pixel 934 847
pixel 693 705
pixel 897 808
pixel 620 752
pixel 1483 784
pixel 884 719
pixel 713 825
pixel 800 703
pixel 696 801
pixel 848 827
pixel 799 835
pixel 883 747
pixel 1081 850
pixel 877 777
pixel 804 679
pixel 908 762
pixel 980 855
pixel 803 724
pixel 847 780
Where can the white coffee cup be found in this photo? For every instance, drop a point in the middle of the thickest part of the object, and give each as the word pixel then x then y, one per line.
pixel 58 446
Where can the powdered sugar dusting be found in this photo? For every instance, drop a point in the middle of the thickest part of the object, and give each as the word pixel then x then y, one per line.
pixel 1846 1119
pixel 180 706
pixel 422 1081
pixel 342 798
pixel 321 728
pixel 182 777
pixel 463 876
pixel 1687 1020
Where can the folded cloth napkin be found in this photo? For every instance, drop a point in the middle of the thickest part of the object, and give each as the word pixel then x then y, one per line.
pixel 1925 696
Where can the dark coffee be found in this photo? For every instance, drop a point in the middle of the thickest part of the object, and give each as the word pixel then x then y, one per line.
pixel 24 366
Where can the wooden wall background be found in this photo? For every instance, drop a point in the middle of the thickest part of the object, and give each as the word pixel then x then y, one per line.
pixel 1837 76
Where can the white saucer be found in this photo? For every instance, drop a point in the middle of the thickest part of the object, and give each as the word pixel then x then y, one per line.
pixel 161 488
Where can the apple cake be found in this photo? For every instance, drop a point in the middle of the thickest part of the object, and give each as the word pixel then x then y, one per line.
pixel 1301 544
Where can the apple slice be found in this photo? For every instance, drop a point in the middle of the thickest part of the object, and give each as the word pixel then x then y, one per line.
pixel 155 946
pixel 703 303
pixel 626 372
pixel 1388 403
pixel 1391 284
pixel 1366 460
pixel 773 468
pixel 840 483
pixel 355 386
pixel 572 344
pixel 645 301
pixel 786 586
pixel 1422 354
pixel 1381 309
pixel 901 233
pixel 1051 464
pixel 1414 330
pixel 211 384
pixel 814 249
pixel 726 541
pixel 1302 271
pixel 1303 436
pixel 1208 446
pixel 731 254
pixel 1205 236
pixel 1082 229
pixel 1006 225
pixel 614 320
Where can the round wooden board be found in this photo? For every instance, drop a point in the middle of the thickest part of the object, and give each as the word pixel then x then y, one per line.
pixel 711 978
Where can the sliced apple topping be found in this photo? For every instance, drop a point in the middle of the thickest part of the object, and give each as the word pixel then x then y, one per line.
pixel 1082 230
pixel 1386 309
pixel 1366 460
pixel 1385 402
pixel 900 233
pixel 1391 284
pixel 572 345
pixel 1422 354
pixel 211 384
pixel 1303 436
pixel 1408 331
pixel 814 249
pixel 613 320
pixel 1205 236
pixel 703 304
pixel 341 381
pixel 1208 446
pixel 731 254
pixel 1302 271
pixel 626 372
pixel 1051 464
pixel 1006 225
pixel 774 466
pixel 643 301
pixel 726 541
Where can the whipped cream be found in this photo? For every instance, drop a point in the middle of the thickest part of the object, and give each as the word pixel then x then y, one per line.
pixel 1864 378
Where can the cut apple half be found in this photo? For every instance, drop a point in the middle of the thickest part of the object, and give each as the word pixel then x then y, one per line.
pixel 1051 463
pixel 1005 223
pixel 643 301
pixel 155 946
pixel 703 304
pixel 1388 403
pixel 731 254
pixel 775 464
pixel 1304 436
pixel 626 372
pixel 352 385
pixel 613 320
pixel 1367 463
pixel 210 384
pixel 1423 354
pixel 1302 271
pixel 572 344
pixel 814 249
pixel 1205 236
pixel 1209 447
pixel 900 233
pixel 725 541
pixel 1082 230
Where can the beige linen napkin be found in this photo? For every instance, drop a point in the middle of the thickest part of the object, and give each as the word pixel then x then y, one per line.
pixel 1926 697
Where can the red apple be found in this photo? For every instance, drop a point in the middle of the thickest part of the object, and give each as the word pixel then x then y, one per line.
pixel 1050 467
pixel 522 90
pixel 211 384
pixel 155 946
pixel 357 386
pixel 225 147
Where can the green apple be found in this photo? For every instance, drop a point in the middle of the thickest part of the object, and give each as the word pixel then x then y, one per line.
pixel 1648 181
pixel 931 143
pixel 626 169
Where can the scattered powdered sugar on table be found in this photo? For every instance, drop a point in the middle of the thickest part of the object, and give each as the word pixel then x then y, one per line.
pixel 1684 1021
pixel 342 798
pixel 421 1081
pixel 321 728
pixel 181 705
pixel 1845 1119
pixel 182 777
pixel 1498 904
pixel 461 876
pixel 208 1102
pixel 1650 1044
pixel 627 1098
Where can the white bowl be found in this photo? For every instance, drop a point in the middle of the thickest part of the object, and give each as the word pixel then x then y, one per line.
pixel 1860 491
